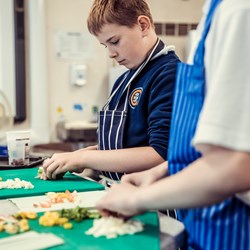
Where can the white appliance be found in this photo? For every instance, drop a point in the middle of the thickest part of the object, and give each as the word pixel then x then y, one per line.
pixel 6 116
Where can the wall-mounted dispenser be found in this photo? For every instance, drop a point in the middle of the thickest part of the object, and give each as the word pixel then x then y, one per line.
pixel 78 75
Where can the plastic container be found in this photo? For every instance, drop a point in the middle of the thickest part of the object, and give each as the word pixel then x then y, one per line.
pixel 18 144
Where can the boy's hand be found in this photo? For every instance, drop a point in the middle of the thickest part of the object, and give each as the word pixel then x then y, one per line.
pixel 146 177
pixel 56 166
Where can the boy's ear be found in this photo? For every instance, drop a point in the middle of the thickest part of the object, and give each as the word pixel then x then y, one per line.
pixel 144 23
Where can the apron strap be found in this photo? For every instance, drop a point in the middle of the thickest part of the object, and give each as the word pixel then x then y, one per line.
pixel 105 107
pixel 158 50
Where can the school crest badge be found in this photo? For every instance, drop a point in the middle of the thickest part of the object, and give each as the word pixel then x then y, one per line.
pixel 134 97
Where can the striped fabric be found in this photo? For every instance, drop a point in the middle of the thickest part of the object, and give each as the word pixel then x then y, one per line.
pixel 224 226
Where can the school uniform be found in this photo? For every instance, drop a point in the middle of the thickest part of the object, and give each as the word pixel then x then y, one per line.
pixel 138 112
pixel 226 225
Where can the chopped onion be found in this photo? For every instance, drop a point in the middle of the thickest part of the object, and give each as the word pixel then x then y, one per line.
pixel 111 227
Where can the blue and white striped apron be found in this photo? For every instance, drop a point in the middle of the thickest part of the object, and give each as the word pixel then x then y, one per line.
pixel 112 122
pixel 224 226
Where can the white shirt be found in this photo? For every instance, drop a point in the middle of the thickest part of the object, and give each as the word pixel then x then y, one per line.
pixel 225 117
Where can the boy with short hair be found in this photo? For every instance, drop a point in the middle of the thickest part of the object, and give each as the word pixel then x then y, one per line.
pixel 134 124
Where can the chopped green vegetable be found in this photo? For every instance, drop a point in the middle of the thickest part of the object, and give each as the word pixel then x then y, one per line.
pixel 79 213
pixel 40 170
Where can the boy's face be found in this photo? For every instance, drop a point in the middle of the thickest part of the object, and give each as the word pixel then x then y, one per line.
pixel 125 45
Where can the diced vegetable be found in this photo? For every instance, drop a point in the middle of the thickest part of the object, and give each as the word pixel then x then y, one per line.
pixel 111 227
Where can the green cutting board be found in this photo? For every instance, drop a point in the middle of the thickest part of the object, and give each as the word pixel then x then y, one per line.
pixel 77 239
pixel 69 182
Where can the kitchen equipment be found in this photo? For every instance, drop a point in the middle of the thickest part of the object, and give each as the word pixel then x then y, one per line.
pixel 33 161
pixel 6 116
pixel 77 239
pixel 77 131
pixel 69 182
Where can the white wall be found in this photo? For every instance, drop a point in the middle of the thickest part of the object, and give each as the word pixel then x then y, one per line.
pixel 176 11
pixel 7 58
pixel 70 16
pixel 38 68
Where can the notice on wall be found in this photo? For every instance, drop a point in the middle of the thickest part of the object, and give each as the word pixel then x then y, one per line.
pixel 73 45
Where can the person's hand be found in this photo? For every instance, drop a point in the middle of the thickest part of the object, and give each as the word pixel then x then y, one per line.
pixel 146 177
pixel 119 202
pixel 56 166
